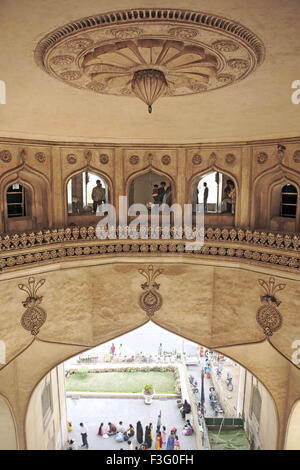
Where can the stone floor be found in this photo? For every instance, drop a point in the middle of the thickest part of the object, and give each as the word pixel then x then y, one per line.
pixel 93 411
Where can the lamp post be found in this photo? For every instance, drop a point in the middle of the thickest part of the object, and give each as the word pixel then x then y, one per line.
pixel 202 397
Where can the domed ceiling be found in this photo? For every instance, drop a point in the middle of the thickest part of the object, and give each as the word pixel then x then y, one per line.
pixel 228 69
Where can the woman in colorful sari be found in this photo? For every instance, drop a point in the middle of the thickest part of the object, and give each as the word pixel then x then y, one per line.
pixel 171 440
pixel 101 430
pixel 164 435
pixel 176 443
pixel 158 442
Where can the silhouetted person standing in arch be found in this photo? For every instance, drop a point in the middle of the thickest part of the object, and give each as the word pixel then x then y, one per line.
pixel 205 197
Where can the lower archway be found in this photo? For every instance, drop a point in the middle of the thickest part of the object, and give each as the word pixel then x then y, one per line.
pixel 47 414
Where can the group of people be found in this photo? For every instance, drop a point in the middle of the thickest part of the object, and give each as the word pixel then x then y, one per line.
pixel 162 194
pixel 229 198
pixel 144 439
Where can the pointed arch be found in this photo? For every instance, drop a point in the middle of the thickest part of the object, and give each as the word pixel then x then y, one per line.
pixel 195 178
pixel 266 199
pixel 40 200
pixel 144 171
pixel 90 169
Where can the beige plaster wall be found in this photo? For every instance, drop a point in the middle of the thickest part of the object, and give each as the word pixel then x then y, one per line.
pixel 8 435
pixel 293 430
pixel 51 434
pixel 264 432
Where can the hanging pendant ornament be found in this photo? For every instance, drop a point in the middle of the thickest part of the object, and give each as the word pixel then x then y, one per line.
pixel 149 85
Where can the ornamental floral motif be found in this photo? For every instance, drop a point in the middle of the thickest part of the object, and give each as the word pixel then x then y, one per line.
pixel 71 158
pixel 296 156
pixel 261 158
pixel 225 78
pixel 71 75
pixel 5 156
pixel 212 159
pixel 150 301
pixel 238 64
pixel 125 33
pixel 166 159
pixel 34 316
pixel 268 317
pixel 225 46
pixel 79 44
pixel 98 87
pixel 230 158
pixel 197 159
pixel 40 157
pixel 183 33
pixel 104 159
pixel 134 159
pixel 61 60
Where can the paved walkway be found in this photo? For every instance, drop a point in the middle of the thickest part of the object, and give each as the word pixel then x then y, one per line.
pixel 93 411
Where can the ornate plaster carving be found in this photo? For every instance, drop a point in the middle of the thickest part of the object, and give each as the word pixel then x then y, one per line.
pixel 268 317
pixel 150 300
pixel 5 156
pixel 196 51
pixel 166 160
pixel 34 316
pixel 134 159
pixel 197 159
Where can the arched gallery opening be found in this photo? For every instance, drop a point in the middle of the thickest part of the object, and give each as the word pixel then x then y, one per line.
pixel 228 407
pixel 81 196
pixel 151 188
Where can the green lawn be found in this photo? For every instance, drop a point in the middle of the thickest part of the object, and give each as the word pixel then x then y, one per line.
pixel 126 382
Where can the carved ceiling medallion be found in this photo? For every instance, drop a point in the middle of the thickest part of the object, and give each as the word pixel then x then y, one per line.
pixel 194 52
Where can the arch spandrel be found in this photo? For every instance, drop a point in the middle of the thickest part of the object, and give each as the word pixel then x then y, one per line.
pixel 207 302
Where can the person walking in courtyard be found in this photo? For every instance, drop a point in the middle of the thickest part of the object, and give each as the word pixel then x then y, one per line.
pixel 139 432
pixel 176 443
pixel 113 349
pixel 84 435
pixel 148 439
pixel 158 442
pixel 164 435
pixel 158 425
pixel 171 440
pixel 151 431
